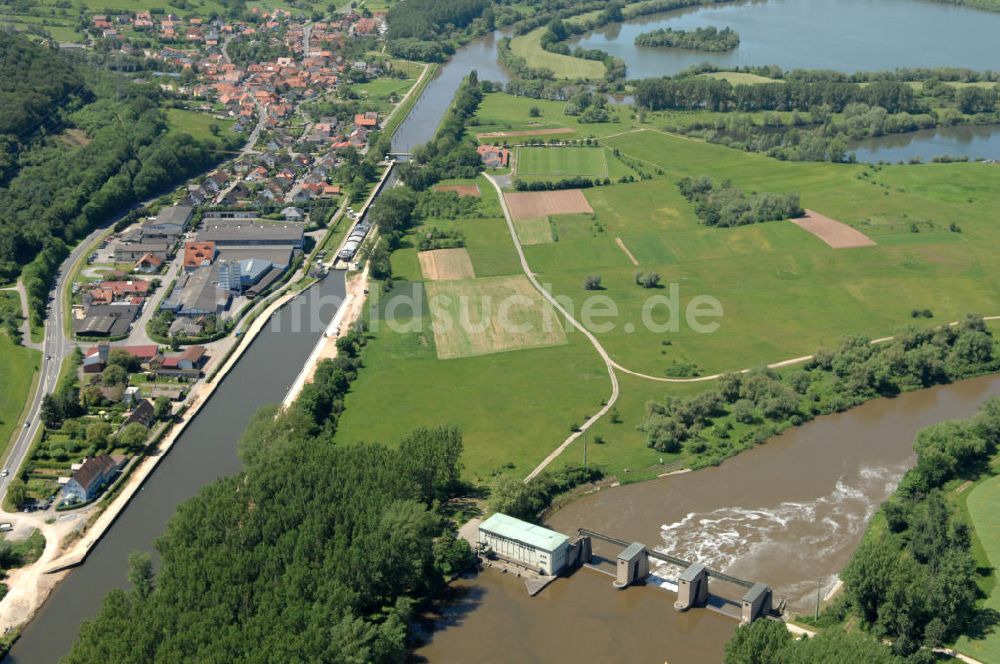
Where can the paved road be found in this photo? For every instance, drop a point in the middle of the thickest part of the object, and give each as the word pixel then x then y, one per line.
pixel 55 347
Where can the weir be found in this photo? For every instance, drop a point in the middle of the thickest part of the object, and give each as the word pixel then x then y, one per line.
pixel 692 583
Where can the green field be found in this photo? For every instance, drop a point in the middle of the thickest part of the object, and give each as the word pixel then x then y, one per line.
pixel 506 113
pixel 983 505
pixel 511 405
pixel 740 77
pixel 562 162
pixel 196 123
pixel 784 293
pixel 17 366
pixel 529 47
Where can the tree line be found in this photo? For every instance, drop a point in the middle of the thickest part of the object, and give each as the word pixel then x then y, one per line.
pixel 699 39
pixel 718 95
pixel 765 402
pixel 726 205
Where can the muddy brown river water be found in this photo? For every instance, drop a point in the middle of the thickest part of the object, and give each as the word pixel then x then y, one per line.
pixel 788 513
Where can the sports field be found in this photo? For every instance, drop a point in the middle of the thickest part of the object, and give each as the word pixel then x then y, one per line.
pixel 562 161
pixel 983 504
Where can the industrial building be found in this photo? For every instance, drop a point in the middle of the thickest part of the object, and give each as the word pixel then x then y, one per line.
pixel 522 543
pixel 251 233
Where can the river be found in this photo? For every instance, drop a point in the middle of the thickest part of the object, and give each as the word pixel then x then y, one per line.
pixel 788 513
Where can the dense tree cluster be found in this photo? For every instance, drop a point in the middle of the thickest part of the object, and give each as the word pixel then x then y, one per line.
pixel 527 500
pixel 914 583
pixel 762 402
pixel 316 552
pixel 726 205
pixel 711 94
pixel 575 182
pixel 446 205
pixel 418 29
pixel 699 39
pixel 770 642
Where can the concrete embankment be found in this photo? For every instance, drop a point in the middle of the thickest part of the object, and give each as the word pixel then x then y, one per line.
pixel 201 395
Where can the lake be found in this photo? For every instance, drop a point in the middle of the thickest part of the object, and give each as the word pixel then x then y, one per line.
pixel 982 142
pixel 847 35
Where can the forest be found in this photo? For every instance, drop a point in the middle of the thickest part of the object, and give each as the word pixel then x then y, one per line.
pixel 699 39
pixel 60 188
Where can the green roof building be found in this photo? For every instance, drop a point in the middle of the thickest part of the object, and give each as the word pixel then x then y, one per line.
pixel 534 547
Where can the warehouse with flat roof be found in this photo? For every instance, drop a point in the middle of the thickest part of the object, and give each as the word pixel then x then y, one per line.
pixel 251 233
pixel 522 543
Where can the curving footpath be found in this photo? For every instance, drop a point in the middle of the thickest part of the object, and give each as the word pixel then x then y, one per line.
pixel 611 364
pixel 608 362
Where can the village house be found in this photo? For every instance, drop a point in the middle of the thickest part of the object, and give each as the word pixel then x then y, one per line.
pixel 149 264
pixel 198 254
pixel 494 156
pixel 92 476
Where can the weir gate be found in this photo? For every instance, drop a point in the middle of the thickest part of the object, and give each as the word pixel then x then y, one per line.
pixel 632 566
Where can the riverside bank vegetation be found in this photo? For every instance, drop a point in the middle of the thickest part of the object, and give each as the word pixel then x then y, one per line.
pixel 913 582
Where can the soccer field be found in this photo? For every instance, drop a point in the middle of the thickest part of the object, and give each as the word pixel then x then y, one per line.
pixel 562 162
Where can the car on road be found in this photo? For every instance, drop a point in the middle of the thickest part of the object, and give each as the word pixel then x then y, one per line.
pixel 4 473
pixel 27 424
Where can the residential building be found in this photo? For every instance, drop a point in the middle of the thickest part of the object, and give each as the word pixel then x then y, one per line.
pixel 92 476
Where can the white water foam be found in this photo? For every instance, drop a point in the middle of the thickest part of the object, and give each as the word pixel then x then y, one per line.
pixel 804 535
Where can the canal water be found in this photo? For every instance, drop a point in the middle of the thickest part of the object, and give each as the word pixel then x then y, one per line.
pixel 847 36
pixel 788 513
pixel 205 451
pixel 981 142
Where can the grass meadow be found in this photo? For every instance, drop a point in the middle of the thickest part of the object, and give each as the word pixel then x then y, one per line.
pixel 982 508
pixel 529 47
pixel 195 123
pixel 784 293
pixel 17 367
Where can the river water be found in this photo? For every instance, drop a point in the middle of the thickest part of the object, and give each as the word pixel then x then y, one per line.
pixel 788 513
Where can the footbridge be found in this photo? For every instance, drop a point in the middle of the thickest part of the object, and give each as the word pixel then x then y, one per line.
pixel 692 584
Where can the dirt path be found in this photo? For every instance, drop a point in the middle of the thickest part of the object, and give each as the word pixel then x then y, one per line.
pixel 611 364
pixel 608 362
pixel 621 245
pixel 26 325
